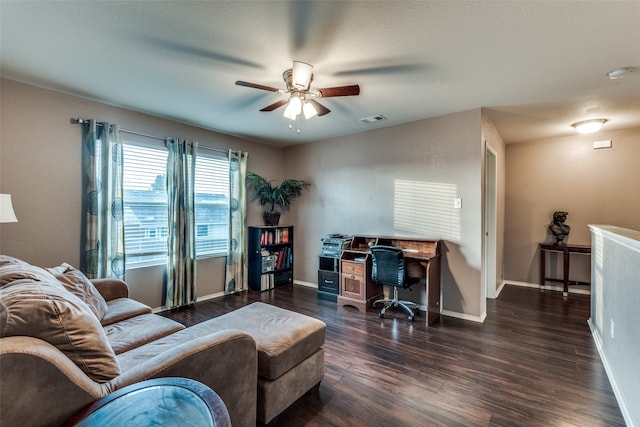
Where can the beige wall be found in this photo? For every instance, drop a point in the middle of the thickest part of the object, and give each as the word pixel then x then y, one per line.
pixel 594 186
pixel 353 192
pixel 353 189
pixel 40 165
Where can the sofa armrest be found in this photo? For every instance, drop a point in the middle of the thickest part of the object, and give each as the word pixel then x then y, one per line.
pixel 225 361
pixel 55 386
pixel 111 289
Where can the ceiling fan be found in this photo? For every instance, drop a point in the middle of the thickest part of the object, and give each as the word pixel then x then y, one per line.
pixel 301 97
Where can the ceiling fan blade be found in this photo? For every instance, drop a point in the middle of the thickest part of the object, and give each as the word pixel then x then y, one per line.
pixel 257 86
pixel 321 109
pixel 384 70
pixel 339 91
pixel 275 105
pixel 193 51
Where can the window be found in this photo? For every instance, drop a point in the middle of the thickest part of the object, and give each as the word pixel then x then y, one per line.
pixel 145 205
pixel 211 205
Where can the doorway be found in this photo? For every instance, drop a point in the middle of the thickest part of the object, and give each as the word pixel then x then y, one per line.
pixel 490 224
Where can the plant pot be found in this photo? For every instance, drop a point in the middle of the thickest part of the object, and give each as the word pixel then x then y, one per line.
pixel 271 218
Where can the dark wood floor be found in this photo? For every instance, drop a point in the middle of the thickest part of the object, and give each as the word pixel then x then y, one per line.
pixel 532 362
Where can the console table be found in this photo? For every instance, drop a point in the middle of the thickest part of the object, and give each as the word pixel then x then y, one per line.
pixel 566 251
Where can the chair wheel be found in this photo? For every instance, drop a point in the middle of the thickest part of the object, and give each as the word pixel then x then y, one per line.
pixel 410 318
pixel 380 315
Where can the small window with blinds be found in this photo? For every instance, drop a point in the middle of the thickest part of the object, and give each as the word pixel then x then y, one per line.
pixel 145 205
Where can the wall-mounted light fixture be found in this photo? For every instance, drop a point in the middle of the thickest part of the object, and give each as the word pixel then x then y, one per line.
pixel 589 126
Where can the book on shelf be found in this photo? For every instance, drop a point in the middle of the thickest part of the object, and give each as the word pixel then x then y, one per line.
pixel 284 258
pixel 267 281
pixel 275 236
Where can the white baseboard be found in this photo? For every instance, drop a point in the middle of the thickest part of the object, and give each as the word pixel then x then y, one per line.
pixel 211 296
pixel 479 319
pixel 199 299
pixel 572 289
pixel 616 390
pixel 307 284
pixel 500 288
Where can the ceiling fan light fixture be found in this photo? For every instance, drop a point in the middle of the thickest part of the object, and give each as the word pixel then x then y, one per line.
pixel 302 75
pixel 309 110
pixel 289 114
pixel 589 126
pixel 294 108
pixel 298 80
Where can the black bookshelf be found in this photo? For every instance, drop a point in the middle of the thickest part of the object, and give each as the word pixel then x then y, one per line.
pixel 270 257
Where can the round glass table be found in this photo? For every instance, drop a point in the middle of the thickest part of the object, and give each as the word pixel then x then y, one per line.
pixel 158 402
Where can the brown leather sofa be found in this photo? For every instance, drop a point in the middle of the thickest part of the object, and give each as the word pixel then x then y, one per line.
pixel 66 341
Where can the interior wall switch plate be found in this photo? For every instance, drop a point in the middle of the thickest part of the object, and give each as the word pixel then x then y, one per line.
pixel 457 203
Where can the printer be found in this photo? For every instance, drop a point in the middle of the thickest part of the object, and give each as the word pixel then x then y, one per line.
pixel 332 244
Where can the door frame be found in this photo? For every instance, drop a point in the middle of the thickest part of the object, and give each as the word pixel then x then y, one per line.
pixel 490 224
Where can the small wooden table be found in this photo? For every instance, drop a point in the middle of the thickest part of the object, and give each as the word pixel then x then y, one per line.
pixel 566 251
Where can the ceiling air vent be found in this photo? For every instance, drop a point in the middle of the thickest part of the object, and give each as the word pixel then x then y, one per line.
pixel 373 119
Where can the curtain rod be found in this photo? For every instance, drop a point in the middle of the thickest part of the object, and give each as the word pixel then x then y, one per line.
pixel 204 147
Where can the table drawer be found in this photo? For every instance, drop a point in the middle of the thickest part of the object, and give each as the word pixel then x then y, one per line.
pixel 352 286
pixel 352 268
pixel 329 281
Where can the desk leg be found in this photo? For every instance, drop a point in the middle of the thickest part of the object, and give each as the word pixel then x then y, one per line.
pixel 565 271
pixel 543 269
pixel 432 282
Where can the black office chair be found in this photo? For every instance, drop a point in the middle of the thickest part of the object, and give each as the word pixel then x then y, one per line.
pixel 389 269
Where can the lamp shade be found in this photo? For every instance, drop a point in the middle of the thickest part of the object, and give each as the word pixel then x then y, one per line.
pixel 302 73
pixel 309 110
pixel 294 108
pixel 6 209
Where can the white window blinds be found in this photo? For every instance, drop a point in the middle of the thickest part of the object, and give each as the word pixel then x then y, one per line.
pixel 145 204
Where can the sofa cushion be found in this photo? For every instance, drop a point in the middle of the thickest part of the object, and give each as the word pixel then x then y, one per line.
pixel 13 269
pixel 45 310
pixel 139 330
pixel 283 338
pixel 123 308
pixel 78 284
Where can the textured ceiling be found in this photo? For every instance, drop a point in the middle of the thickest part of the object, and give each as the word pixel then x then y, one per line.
pixel 536 66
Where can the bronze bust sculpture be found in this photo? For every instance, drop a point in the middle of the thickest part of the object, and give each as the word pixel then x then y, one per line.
pixel 558 228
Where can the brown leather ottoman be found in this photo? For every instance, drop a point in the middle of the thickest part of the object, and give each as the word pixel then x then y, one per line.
pixel 290 354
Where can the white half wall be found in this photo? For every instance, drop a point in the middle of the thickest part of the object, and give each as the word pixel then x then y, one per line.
pixel 615 298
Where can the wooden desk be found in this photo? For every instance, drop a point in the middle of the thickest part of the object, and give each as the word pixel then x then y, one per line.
pixel 356 286
pixel 566 251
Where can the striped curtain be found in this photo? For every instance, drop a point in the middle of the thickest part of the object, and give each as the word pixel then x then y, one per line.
pixel 181 269
pixel 103 234
pixel 236 273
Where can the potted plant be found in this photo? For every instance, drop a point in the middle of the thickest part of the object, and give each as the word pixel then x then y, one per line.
pixel 274 199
